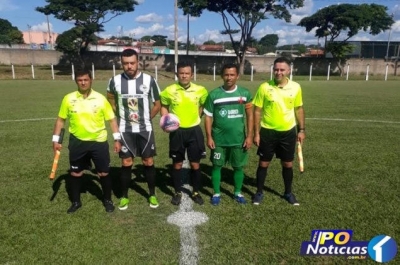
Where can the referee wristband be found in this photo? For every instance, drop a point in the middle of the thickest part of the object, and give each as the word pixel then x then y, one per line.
pixel 117 136
pixel 55 138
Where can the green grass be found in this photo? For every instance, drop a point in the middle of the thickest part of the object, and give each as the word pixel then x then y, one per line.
pixel 351 182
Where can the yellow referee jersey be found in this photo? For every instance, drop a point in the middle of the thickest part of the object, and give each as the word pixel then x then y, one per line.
pixel 185 103
pixel 278 104
pixel 87 116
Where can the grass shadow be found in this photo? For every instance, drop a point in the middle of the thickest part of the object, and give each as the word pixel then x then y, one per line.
pixel 162 180
pixel 57 184
pixel 227 177
pixel 90 183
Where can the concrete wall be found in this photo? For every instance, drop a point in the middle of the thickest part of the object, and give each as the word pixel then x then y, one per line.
pixel 204 64
pixel 27 57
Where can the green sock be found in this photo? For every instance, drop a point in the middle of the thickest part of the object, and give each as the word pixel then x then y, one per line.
pixel 216 179
pixel 238 177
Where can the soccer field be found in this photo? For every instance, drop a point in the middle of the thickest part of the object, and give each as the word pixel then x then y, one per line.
pixel 351 181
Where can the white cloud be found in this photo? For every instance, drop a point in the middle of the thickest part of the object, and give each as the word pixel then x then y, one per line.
pixel 7 5
pixel 149 18
pixel 259 33
pixel 213 35
pixel 299 13
pixel 360 38
pixel 396 26
pixel 155 29
pixel 293 35
pixel 306 10
pixel 42 27
pixel 140 1
pixel 296 19
pixel 395 11
pixel 170 28
pixel 170 32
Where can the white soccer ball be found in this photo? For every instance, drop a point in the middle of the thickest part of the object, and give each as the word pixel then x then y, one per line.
pixel 169 122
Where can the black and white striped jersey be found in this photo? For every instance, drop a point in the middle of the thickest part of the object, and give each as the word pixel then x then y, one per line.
pixel 134 99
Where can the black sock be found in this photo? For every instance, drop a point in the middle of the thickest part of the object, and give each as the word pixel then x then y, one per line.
pixel 261 176
pixel 125 180
pixel 176 179
pixel 150 174
pixel 106 186
pixel 196 179
pixel 75 184
pixel 287 174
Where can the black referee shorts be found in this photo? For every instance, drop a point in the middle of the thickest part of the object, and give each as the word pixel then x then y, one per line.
pixel 190 140
pixel 82 151
pixel 275 142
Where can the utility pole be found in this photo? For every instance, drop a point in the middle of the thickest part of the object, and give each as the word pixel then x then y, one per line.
pixel 388 44
pixel 48 31
pixel 187 40
pixel 29 32
pixel 176 33
pixel 397 60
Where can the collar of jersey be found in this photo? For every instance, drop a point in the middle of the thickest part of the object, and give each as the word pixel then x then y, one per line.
pixel 181 87
pixel 272 82
pixel 229 91
pixel 79 95
pixel 127 77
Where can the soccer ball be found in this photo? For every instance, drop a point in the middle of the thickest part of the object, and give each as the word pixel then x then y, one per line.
pixel 169 122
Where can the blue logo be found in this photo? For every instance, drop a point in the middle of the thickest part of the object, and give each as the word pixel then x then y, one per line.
pixel 334 243
pixel 382 248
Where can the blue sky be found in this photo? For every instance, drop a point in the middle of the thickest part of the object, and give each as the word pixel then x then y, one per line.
pixel 157 17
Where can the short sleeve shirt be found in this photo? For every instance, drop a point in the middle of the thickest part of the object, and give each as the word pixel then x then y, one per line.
pixel 133 97
pixel 228 110
pixel 278 104
pixel 87 116
pixel 185 103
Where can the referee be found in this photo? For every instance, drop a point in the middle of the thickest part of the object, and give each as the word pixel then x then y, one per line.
pixel 87 111
pixel 185 99
pixel 278 108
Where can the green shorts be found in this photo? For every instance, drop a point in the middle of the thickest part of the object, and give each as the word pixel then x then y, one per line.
pixel 236 156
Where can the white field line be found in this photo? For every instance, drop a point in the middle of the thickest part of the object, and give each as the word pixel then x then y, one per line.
pixel 353 120
pixel 318 119
pixel 187 219
pixel 24 120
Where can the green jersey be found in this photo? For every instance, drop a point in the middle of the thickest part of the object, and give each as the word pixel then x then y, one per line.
pixel 228 110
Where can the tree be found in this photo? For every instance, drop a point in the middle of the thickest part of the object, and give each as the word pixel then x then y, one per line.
pixel 348 19
pixel 89 16
pixel 10 34
pixel 209 42
pixel 267 43
pixel 159 40
pixel 145 38
pixel 171 44
pixel 70 43
pixel 269 40
pixel 246 14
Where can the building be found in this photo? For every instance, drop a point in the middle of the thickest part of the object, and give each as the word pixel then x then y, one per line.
pixel 374 49
pixel 40 39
